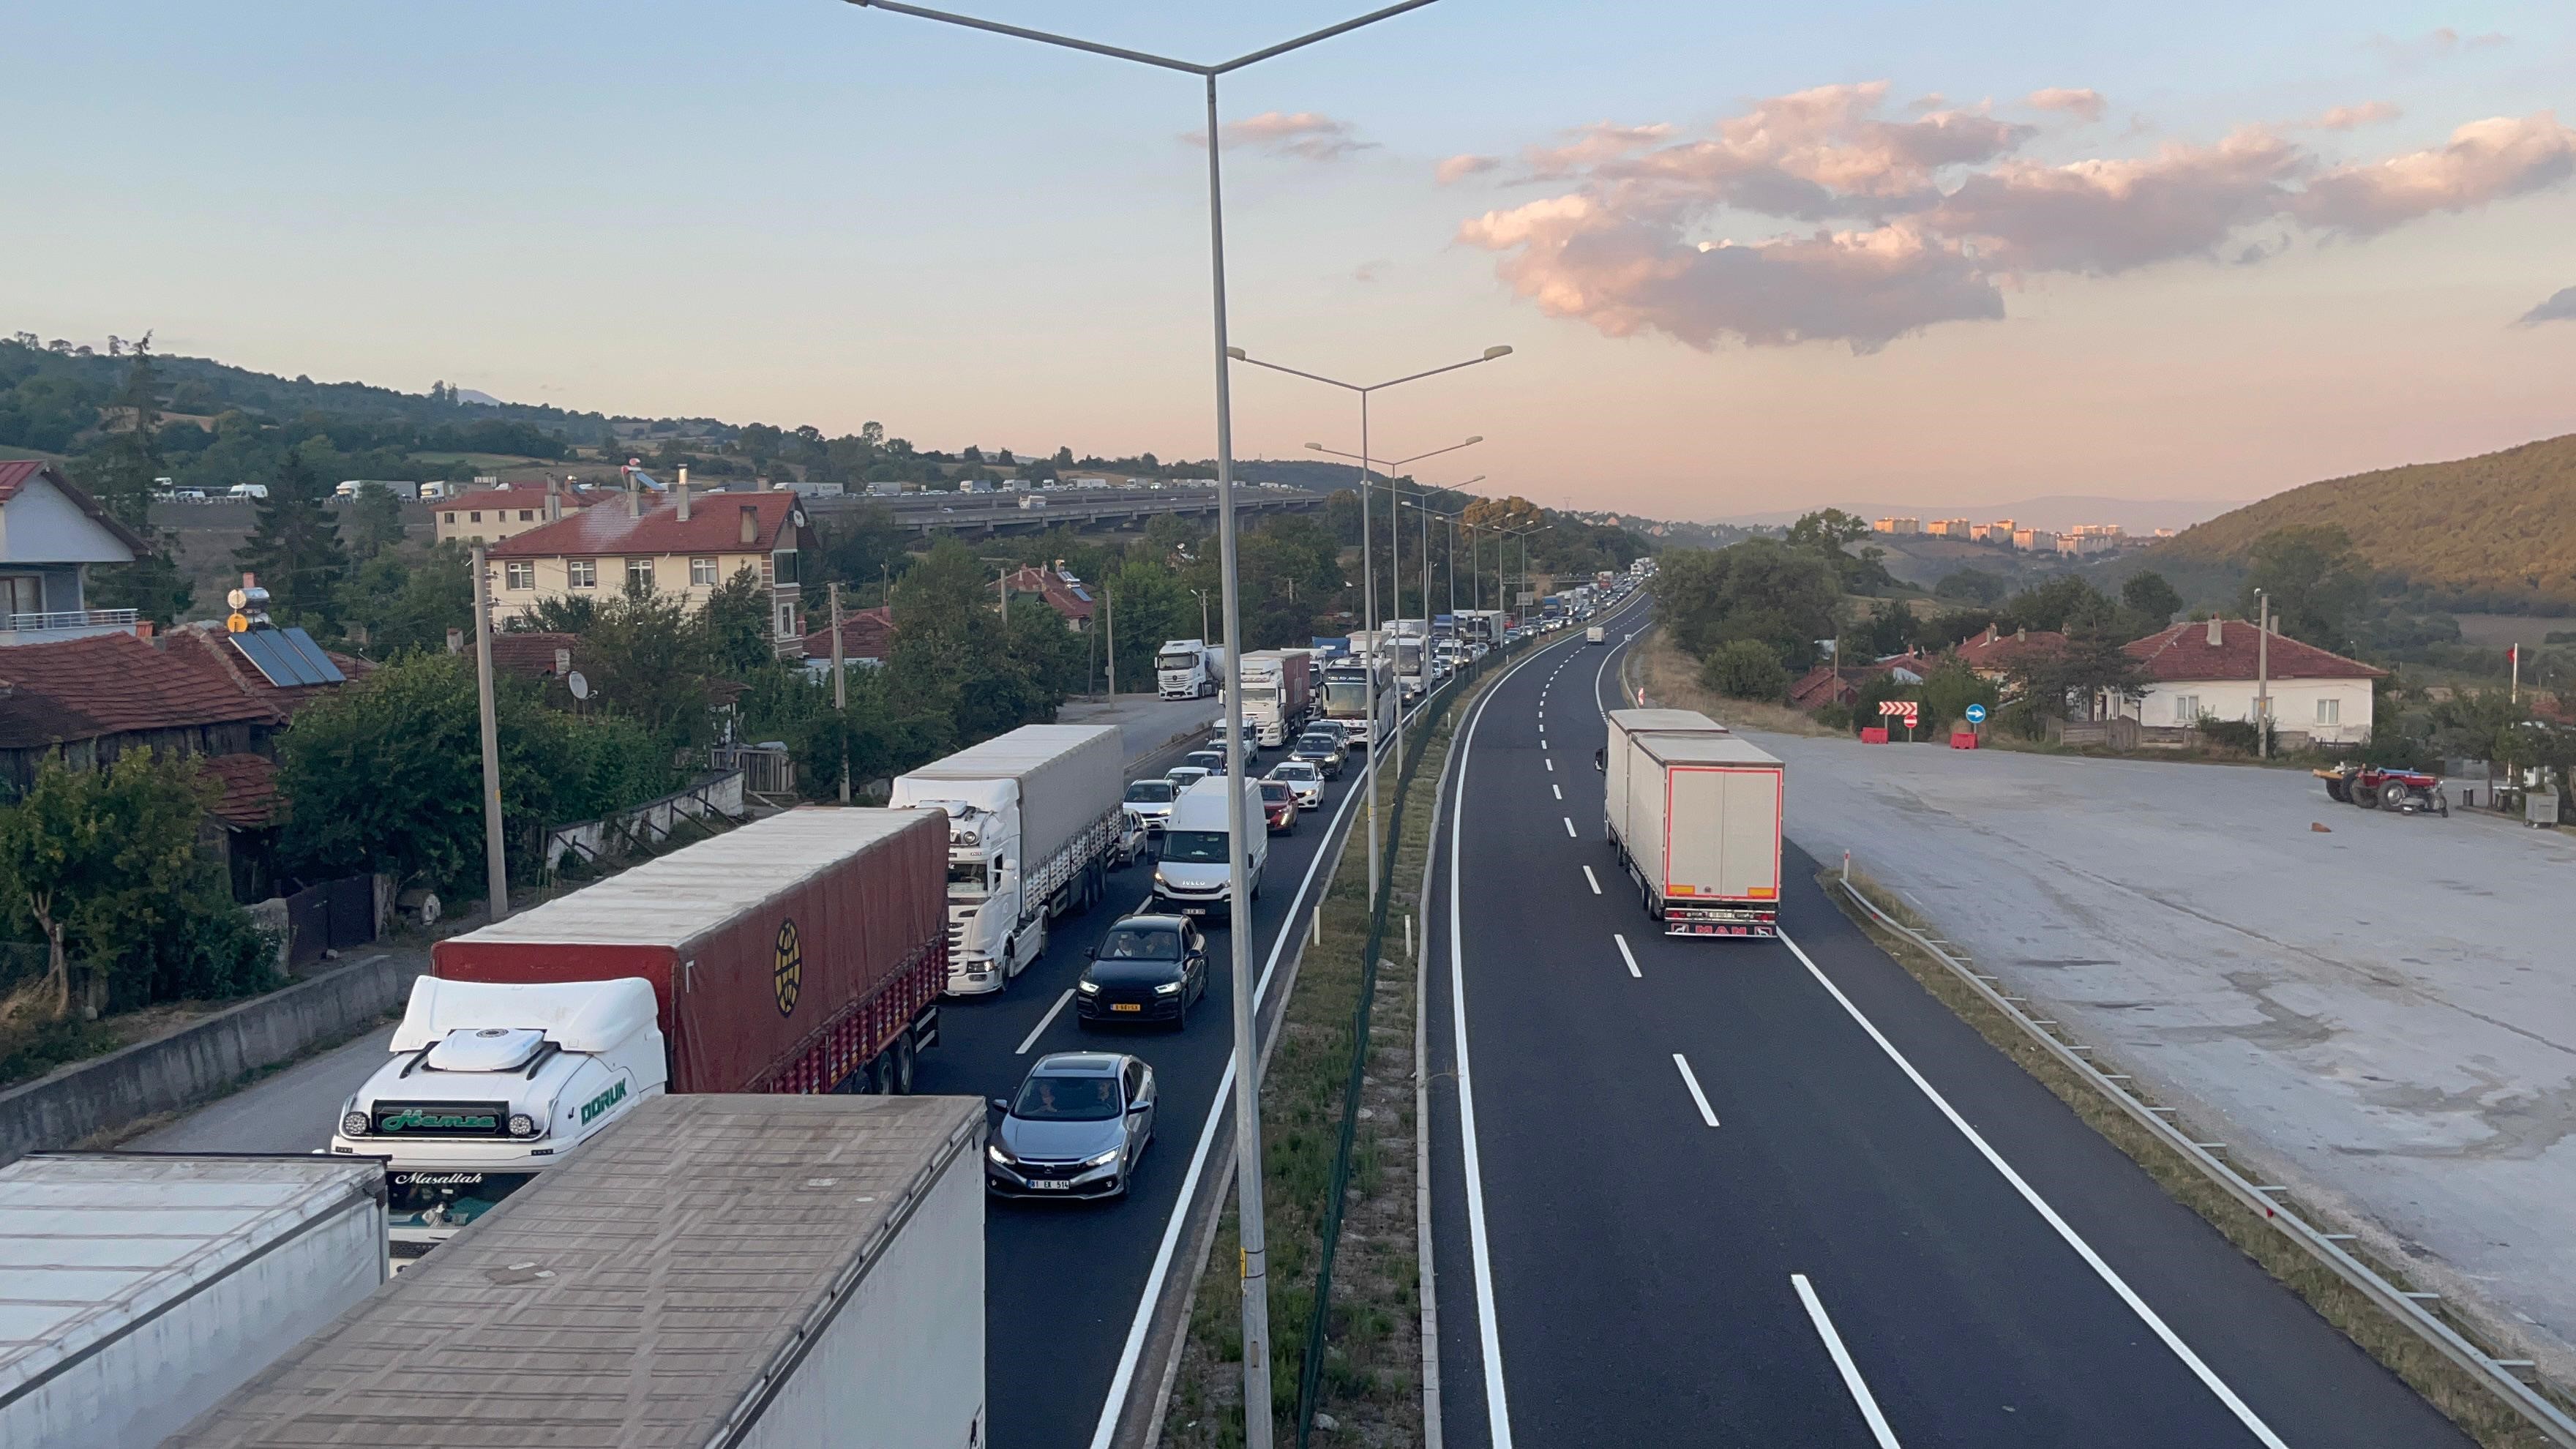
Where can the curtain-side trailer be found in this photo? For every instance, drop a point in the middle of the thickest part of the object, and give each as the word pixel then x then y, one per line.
pixel 1694 814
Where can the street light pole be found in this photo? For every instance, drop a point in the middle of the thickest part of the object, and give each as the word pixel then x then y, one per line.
pixel 1247 1052
pixel 496 869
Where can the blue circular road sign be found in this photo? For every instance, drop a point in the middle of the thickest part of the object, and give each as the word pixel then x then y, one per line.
pixel 1976 714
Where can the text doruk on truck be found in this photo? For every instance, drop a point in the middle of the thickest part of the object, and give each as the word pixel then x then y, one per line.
pixel 1694 814
pixel 803 953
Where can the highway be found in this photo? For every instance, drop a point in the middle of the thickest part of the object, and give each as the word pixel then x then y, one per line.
pixel 1773 1193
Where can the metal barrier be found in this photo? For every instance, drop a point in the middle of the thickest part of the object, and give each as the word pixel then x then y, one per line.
pixel 2497 1375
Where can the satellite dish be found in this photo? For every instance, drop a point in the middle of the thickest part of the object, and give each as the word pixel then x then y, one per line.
pixel 580 686
pixel 237 599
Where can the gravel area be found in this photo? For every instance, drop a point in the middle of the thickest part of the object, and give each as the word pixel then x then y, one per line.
pixel 2381 1014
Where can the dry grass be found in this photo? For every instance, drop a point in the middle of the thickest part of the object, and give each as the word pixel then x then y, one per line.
pixel 2461 1396
pixel 1672 682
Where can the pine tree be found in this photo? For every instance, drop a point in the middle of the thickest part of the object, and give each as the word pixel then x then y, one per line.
pixel 295 549
pixel 122 475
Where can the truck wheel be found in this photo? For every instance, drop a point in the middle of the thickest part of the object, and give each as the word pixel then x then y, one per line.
pixel 881 1075
pixel 903 1063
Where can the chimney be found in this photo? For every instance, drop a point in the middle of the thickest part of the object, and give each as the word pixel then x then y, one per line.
pixel 2217 633
pixel 634 499
pixel 684 495
pixel 750 525
pixel 1993 633
pixel 554 501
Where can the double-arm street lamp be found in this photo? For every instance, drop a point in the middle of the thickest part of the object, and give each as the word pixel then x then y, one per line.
pixel 1247 1054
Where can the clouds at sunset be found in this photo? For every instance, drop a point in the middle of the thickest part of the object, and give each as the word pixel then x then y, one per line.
pixel 1811 216
pixel 1303 135
pixel 2561 307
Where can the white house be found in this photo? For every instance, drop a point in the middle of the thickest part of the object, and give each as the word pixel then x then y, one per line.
pixel 50 534
pixel 2210 667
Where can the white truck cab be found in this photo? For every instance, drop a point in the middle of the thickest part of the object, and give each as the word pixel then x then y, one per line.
pixel 1181 670
pixel 1193 878
pixel 489 1085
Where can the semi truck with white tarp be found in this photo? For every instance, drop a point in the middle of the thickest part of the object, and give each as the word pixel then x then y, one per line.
pixel 1694 814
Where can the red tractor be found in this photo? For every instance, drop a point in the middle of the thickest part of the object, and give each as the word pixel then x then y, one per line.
pixel 2373 787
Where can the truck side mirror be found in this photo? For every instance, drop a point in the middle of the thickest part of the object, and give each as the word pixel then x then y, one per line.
pixel 1601 760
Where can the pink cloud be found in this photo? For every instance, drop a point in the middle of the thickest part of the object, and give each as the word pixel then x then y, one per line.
pixel 1459 168
pixel 1302 134
pixel 2082 104
pixel 2486 161
pixel 2111 216
pixel 2352 118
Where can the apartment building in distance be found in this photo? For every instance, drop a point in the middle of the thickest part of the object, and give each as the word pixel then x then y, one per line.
pixel 489 515
pixel 1897 526
pixel 674 543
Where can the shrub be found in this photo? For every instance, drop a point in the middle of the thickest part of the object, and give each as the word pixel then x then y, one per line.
pixel 1745 669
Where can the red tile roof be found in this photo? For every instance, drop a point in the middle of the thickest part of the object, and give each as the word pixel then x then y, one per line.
pixel 208 647
pixel 714 526
pixel 2184 652
pixel 249 784
pixel 513 498
pixel 531 653
pixel 1821 686
pixel 15 474
pixel 1065 598
pixel 1997 650
pixel 867 634
pixel 110 684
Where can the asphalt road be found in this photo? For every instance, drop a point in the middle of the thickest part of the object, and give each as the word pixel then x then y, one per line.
pixel 1773 1193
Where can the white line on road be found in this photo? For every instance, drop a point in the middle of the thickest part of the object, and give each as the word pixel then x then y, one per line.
pixel 1044 1022
pixel 1559 789
pixel 1843 1362
pixel 1551 766
pixel 1624 953
pixel 2244 1414
pixel 1596 880
pixel 1697 1095
pixel 1569 828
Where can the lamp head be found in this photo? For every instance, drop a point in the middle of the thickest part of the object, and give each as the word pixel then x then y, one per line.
pixel 1236 353
pixel 1476 439
pixel 1493 352
pixel 1314 447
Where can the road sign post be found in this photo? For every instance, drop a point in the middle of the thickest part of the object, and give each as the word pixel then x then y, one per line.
pixel 1904 709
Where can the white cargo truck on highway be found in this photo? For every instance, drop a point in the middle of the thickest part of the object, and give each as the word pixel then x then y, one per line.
pixel 1277 690
pixel 1033 825
pixel 136 1291
pixel 1694 814
pixel 1187 669
pixel 747 1270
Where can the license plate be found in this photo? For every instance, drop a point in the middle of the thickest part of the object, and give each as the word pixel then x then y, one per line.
pixel 1126 1006
pixel 1050 1186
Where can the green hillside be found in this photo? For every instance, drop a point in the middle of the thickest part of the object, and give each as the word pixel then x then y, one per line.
pixel 2496 529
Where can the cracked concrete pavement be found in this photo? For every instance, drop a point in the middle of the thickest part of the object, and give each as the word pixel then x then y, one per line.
pixel 2382 1015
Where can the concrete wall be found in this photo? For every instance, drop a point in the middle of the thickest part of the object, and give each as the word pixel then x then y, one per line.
pixel 194 1064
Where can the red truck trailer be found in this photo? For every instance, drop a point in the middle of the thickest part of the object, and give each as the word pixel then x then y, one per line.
pixel 784 956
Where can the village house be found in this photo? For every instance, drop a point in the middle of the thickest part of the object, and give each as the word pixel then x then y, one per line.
pixel 489 515
pixel 50 534
pixel 1994 655
pixel 1061 591
pixel 2210 668
pixel 669 544
pixel 867 638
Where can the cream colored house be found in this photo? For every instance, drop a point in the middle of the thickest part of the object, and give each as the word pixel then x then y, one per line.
pixel 2217 668
pixel 489 515
pixel 671 544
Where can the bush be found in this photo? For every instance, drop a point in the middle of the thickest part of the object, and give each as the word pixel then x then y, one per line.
pixel 2240 735
pixel 1834 715
pixel 1745 669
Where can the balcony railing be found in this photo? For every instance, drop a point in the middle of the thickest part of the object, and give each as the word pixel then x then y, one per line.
pixel 66 623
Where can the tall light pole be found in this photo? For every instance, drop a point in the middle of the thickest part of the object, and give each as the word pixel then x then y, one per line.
pixel 1247 1054
pixel 1394 545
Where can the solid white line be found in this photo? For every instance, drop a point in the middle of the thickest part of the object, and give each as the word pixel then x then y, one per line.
pixel 1596 880
pixel 1219 1109
pixel 1569 828
pixel 1044 1022
pixel 1559 789
pixel 2244 1415
pixel 1624 953
pixel 1692 1082
pixel 1843 1362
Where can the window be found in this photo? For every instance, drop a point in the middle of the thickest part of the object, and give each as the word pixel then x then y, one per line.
pixel 787 621
pixel 639 574
pixel 2330 711
pixel 527 515
pixel 518 575
pixel 702 573
pixel 451 516
pixel 2186 709
pixel 475 517
pixel 782 566
pixel 582 573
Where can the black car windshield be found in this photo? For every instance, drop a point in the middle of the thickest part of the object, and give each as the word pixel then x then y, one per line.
pixel 1196 847
pixel 1151 792
pixel 1136 943
pixel 1067 1099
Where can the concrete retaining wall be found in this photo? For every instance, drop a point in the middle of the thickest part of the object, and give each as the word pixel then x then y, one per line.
pixel 197 1062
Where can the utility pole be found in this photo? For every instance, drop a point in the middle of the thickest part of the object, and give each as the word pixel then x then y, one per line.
pixel 841 693
pixel 1109 625
pixel 2262 675
pixel 496 869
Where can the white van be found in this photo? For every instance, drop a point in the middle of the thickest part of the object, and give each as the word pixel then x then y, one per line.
pixel 247 491
pixel 1192 877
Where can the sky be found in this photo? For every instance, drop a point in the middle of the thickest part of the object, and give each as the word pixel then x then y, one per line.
pixel 1747 258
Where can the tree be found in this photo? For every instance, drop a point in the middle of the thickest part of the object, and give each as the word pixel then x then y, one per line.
pixel 1758 589
pixel 106 866
pixel 2150 595
pixel 293 547
pixel 123 474
pixel 2071 681
pixel 2314 579
pixel 404 604
pixel 1971 586
pixel 1825 532
pixel 648 657
pixel 1948 691
pixel 1064 457
pixel 738 625
pixel 372 523
pixel 2064 602
pixel 555 613
pixel 1745 669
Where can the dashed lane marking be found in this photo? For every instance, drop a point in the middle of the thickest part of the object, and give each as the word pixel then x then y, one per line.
pixel 1697 1096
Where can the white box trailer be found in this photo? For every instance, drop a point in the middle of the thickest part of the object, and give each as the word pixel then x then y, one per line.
pixel 138 1289
pixel 1694 813
pixel 758 1271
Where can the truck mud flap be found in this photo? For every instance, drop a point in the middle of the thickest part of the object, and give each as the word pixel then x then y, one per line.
pixel 925 1027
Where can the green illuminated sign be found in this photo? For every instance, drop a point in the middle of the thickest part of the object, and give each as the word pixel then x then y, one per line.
pixel 413 1119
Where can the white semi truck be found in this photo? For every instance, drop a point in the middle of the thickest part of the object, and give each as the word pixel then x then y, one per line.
pixel 751 1270
pixel 1278 689
pixel 1694 814
pixel 1187 669
pixel 1034 822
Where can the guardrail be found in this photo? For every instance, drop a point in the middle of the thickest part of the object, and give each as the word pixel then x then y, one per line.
pixel 2326 1248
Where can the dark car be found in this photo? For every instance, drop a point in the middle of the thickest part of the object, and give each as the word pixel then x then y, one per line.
pixel 1075 1129
pixel 1148 968
pixel 1322 750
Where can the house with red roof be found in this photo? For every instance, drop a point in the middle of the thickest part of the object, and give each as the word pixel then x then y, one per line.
pixel 673 543
pixel 2214 667
pixel 489 515
pixel 867 637
pixel 1061 592
pixel 1994 655
pixel 51 533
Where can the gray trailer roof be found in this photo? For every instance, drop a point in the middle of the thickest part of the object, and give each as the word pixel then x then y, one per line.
pixel 636 1295
pixel 93 1243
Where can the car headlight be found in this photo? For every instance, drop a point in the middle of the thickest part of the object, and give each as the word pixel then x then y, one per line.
pixel 994 1151
pixel 355 1124
pixel 1104 1159
pixel 1087 987
pixel 522 1125
pixel 1168 988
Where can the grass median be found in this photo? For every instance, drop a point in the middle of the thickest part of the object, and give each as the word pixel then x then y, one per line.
pixel 1369 1391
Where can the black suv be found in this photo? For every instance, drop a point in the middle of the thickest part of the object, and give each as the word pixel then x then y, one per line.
pixel 1148 968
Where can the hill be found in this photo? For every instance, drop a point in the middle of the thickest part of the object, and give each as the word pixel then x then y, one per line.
pixel 2055 511
pixel 2497 530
